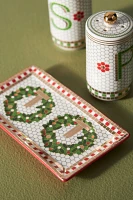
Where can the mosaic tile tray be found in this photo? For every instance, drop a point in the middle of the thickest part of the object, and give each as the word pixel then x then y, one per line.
pixel 60 129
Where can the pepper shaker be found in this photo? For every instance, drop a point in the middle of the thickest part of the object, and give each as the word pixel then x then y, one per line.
pixel 109 54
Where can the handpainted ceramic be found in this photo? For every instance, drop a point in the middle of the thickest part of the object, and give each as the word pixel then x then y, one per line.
pixel 67 22
pixel 60 129
pixel 109 55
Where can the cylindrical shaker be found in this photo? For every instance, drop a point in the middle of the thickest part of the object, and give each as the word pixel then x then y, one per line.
pixel 67 22
pixel 109 54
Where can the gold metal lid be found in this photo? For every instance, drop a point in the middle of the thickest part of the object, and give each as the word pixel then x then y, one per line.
pixel 109 26
pixel 110 17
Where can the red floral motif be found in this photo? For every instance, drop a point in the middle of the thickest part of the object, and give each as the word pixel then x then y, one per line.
pixel 78 16
pixel 103 67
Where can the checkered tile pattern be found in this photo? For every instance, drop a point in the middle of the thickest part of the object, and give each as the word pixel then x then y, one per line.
pixel 108 96
pixel 69 45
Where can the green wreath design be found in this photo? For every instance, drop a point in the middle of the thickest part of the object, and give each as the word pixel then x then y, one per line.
pixel 10 105
pixel 50 141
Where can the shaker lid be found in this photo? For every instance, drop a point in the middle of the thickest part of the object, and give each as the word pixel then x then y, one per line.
pixel 109 25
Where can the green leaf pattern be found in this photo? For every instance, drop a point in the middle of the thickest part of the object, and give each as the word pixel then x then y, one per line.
pixel 50 141
pixel 10 105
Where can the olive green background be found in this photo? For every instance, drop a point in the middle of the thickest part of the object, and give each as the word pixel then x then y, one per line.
pixel 25 40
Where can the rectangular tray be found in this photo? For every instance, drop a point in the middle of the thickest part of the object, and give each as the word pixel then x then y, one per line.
pixel 65 133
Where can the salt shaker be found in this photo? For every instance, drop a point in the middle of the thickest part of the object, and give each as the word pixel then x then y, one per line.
pixel 67 22
pixel 109 54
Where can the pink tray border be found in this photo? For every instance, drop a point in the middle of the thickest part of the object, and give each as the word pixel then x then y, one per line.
pixel 119 134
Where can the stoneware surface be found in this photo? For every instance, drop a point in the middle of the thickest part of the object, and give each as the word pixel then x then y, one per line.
pixel 58 127
pixel 25 40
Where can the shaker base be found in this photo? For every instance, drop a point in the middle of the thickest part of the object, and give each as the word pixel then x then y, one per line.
pixel 69 46
pixel 108 96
